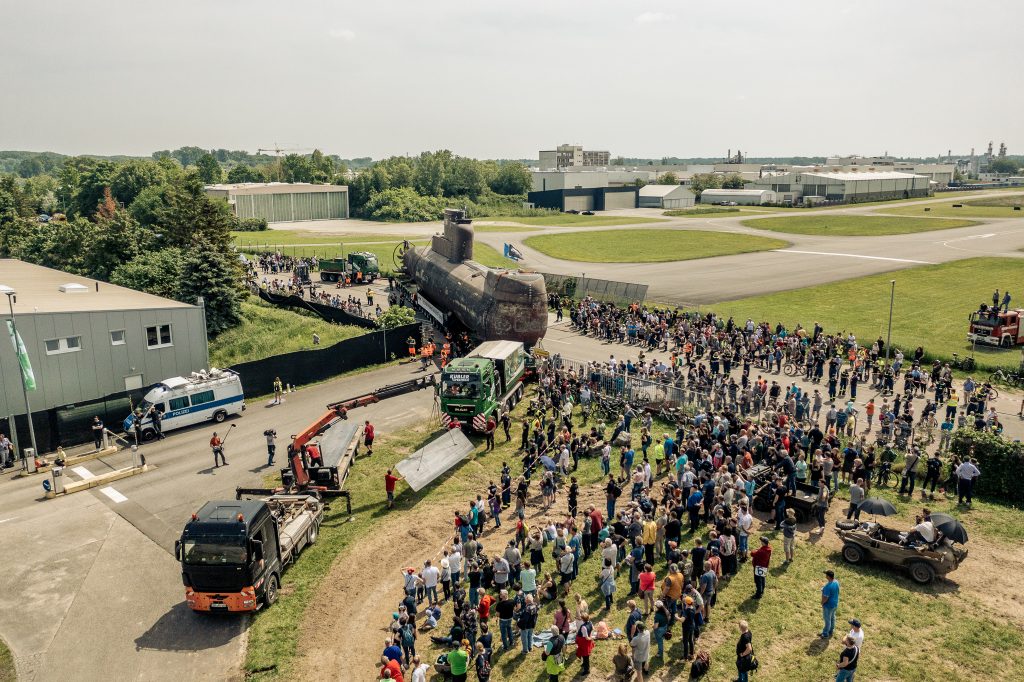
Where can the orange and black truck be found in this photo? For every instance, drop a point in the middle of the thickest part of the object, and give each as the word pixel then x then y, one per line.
pixel 234 552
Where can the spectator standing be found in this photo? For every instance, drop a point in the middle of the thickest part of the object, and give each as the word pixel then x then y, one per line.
pixel 368 436
pixel 856 497
pixel 389 487
pixel 829 604
pixel 97 432
pixel 789 534
pixel 744 651
pixel 856 633
pixel 848 659
pixel 965 475
pixel 760 558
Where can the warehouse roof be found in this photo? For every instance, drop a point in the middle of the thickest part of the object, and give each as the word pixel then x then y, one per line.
pixel 740 192
pixel 868 175
pixel 274 188
pixel 661 190
pixel 44 290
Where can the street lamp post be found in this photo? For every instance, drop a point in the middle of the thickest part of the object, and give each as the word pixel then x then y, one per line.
pixel 24 391
pixel 888 336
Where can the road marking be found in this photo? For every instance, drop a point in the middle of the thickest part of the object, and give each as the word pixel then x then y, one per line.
pixel 568 343
pixel 964 239
pixel 855 255
pixel 8 519
pixel 83 472
pixel 117 497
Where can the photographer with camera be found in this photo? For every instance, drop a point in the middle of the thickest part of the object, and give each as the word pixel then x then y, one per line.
pixel 270 435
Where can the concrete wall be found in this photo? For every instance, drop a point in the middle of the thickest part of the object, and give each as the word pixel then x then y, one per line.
pixel 99 368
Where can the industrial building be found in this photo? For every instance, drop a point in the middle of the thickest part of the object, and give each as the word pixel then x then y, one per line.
pixel 584 198
pixel 584 179
pixel 572 156
pixel 666 196
pixel 88 341
pixel 740 197
pixel 282 202
pixel 846 187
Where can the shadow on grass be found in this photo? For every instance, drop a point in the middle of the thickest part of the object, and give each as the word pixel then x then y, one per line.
pixel 818 646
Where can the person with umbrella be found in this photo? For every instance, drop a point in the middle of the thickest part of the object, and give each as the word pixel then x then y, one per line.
pixel 923 530
pixel 950 528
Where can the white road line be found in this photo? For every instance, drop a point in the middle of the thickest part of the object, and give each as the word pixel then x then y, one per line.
pixel 83 472
pixel 117 497
pixel 855 255
pixel 8 519
pixel 965 239
pixel 568 343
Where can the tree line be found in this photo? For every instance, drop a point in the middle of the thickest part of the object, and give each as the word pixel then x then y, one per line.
pixel 144 224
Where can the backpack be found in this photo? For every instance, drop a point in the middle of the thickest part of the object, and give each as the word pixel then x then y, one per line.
pixel 701 665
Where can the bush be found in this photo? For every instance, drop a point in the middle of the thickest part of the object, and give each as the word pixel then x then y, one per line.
pixel 403 204
pixel 396 316
pixel 250 225
pixel 1001 463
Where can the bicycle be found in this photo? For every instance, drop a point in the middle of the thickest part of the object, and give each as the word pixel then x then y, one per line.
pixel 966 364
pixel 792 369
pixel 1002 376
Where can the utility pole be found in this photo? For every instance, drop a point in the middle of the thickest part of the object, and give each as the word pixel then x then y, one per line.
pixel 24 390
pixel 888 336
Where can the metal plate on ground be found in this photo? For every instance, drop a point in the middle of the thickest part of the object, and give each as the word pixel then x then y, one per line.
pixel 434 458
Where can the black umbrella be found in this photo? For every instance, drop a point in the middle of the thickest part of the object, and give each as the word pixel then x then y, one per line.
pixel 950 527
pixel 877 507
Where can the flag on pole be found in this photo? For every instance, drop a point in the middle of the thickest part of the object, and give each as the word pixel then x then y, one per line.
pixel 27 376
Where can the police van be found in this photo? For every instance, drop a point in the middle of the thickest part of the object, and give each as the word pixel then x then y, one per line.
pixel 184 401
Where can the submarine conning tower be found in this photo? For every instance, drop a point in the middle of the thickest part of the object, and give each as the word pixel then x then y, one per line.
pixel 456 244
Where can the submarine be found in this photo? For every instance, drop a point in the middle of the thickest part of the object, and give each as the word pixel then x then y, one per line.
pixel 493 303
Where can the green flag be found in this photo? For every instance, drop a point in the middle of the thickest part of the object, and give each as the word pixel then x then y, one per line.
pixel 26 367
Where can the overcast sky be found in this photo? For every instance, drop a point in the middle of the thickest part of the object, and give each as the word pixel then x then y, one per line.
pixel 501 79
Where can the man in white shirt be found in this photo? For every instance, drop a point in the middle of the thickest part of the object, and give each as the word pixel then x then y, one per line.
pixel 744 522
pixel 419 670
pixel 965 475
pixel 856 633
pixel 430 576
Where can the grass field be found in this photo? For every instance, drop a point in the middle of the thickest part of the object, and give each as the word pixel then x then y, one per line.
pixel 576 220
pixel 910 629
pixel 291 237
pixel 7 671
pixel 996 207
pixel 505 228
pixel 699 211
pixel 854 225
pixel 648 246
pixel 266 330
pixel 931 306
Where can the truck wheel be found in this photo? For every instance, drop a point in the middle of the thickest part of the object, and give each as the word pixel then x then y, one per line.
pixel 1005 342
pixel 314 533
pixel 219 416
pixel 801 516
pixel 921 572
pixel 270 596
pixel 148 435
pixel 853 553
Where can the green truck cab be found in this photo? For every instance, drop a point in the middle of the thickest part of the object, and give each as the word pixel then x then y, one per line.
pixel 489 381
pixel 336 269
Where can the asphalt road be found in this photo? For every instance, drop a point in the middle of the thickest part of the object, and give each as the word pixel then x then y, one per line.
pixel 93 586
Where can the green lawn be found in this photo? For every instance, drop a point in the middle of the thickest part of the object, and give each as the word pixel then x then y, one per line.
pixel 999 207
pixel 504 228
pixel 699 211
pixel 486 255
pixel 275 238
pixel 931 306
pixel 576 220
pixel 266 330
pixel 648 246
pixel 7 671
pixel 854 225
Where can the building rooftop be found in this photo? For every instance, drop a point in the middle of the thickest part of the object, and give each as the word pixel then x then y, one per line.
pixel 274 188
pixel 660 190
pixel 867 175
pixel 741 192
pixel 45 290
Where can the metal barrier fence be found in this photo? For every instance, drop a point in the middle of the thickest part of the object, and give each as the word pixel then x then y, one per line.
pixel 601 289
pixel 654 394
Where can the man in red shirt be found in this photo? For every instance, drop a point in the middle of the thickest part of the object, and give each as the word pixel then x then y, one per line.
pixel 368 437
pixel 597 522
pixel 492 426
pixel 217 445
pixel 760 558
pixel 389 487
pixel 392 666
pixel 483 609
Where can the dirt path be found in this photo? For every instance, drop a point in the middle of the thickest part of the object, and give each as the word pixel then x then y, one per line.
pixel 344 628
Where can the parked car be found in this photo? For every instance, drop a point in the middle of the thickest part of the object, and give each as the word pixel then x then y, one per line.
pixel 588 213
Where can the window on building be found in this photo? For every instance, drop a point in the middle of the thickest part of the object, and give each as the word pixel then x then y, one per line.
pixel 117 337
pixel 202 398
pixel 179 403
pixel 67 344
pixel 158 336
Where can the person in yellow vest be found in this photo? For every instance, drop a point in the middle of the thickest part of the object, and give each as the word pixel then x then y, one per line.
pixel 952 404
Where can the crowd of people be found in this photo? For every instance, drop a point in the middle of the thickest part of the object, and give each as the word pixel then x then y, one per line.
pixel 667 491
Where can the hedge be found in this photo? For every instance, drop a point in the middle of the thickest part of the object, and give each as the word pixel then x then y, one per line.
pixel 1001 463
